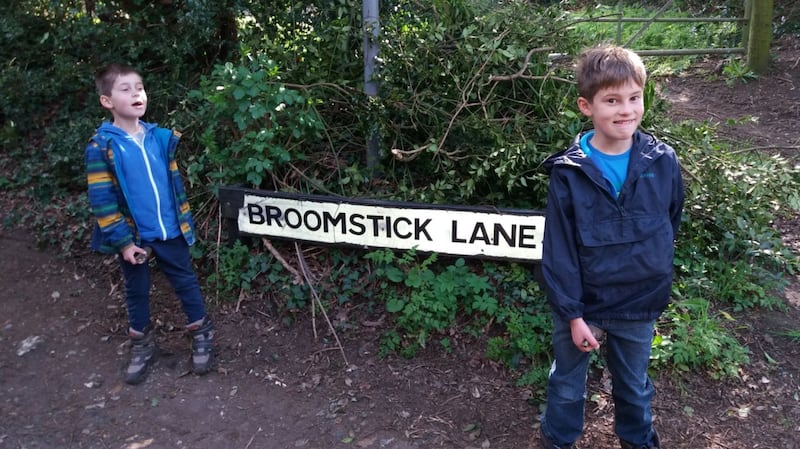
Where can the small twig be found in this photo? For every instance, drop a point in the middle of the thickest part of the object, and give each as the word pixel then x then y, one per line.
pixel 520 74
pixel 298 278
pixel 716 442
pixel 691 174
pixel 219 240
pixel 301 260
pixel 767 147
pixel 524 67
pixel 252 438
pixel 240 299
pixel 531 77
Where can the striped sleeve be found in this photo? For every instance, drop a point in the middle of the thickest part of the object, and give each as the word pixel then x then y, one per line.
pixel 105 198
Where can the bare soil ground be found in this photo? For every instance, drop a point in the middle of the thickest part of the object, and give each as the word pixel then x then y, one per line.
pixel 63 348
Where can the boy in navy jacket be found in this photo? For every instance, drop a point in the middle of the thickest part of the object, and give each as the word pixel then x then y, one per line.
pixel 613 210
pixel 139 203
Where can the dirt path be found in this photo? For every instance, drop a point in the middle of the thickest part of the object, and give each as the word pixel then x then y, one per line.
pixel 66 391
pixel 277 387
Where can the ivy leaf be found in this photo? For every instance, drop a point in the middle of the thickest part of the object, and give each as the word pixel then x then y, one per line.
pixel 395 305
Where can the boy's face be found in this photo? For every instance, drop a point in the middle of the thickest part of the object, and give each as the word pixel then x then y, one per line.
pixel 128 100
pixel 616 113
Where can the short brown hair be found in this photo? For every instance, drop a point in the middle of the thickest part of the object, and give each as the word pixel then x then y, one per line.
pixel 105 77
pixel 608 66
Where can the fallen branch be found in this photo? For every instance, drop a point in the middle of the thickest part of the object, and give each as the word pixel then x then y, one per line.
pixel 298 278
pixel 520 74
pixel 767 147
pixel 302 261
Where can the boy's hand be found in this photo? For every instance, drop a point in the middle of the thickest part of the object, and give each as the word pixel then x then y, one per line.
pixel 134 255
pixel 582 336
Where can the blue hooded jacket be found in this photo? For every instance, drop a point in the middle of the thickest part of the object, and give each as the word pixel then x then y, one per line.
pixel 607 258
pixel 110 192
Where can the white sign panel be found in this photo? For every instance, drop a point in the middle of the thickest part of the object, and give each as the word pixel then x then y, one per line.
pixel 449 230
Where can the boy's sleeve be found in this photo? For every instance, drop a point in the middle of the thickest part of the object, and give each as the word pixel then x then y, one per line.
pixel 103 199
pixel 560 264
pixel 678 198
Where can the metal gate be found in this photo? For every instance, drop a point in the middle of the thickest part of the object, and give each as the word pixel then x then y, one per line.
pixel 752 24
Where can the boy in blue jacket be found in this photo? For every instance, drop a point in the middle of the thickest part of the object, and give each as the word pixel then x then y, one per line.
pixel 613 209
pixel 140 208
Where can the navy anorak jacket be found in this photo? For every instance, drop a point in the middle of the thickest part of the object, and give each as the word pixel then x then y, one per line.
pixel 606 257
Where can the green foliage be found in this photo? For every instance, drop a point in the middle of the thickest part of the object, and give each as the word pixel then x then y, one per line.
pixel 255 127
pixel 241 271
pixel 729 254
pixel 457 134
pixel 59 224
pixel 426 298
pixel 793 334
pixel 732 251
pixel 231 275
pixel 697 341
pixel 658 35
pixel 737 70
pixel 523 313
pixel 787 16
pixel 423 301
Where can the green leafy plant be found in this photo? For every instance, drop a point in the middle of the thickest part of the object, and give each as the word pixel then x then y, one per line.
pixel 736 70
pixel 255 126
pixel 697 340
pixel 229 277
pixel 792 334
pixel 425 302
pixel 655 35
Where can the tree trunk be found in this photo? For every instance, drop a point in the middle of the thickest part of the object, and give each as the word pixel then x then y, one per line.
pixel 760 36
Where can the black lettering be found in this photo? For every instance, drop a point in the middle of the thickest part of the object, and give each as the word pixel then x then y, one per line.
pixel 358 227
pixel 317 225
pixel 293 218
pixel 500 231
pixel 454 237
pixel 420 229
pixel 524 236
pixel 332 222
pixel 479 233
pixel 273 213
pixel 255 214
pixel 376 227
pixel 406 235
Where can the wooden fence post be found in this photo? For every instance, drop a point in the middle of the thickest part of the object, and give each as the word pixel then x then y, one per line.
pixel 759 35
pixel 748 17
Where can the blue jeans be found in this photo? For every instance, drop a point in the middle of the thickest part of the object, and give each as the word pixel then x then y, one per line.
pixel 175 262
pixel 627 356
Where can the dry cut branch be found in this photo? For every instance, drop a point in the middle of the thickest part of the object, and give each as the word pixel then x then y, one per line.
pixel 520 74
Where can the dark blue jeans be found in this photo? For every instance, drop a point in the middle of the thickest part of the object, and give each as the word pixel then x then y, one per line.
pixel 175 262
pixel 627 356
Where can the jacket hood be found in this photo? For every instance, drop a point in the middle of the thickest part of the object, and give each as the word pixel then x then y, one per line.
pixel 644 147
pixel 571 156
pixel 109 129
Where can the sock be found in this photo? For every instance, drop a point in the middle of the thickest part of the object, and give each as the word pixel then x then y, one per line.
pixel 196 324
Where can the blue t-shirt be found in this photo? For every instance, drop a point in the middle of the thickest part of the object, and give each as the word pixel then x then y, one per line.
pixel 613 166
